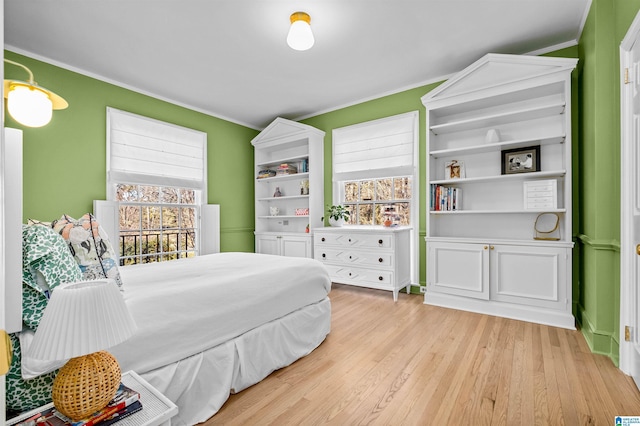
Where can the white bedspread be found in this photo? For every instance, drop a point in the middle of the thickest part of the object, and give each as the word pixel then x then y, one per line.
pixel 184 307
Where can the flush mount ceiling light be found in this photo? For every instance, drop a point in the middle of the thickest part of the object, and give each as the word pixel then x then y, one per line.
pixel 29 104
pixel 300 36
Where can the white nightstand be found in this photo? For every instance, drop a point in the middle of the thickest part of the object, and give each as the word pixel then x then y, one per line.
pixel 156 408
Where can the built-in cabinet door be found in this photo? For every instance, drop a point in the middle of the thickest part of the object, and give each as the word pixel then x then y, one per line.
pixel 292 246
pixel 267 244
pixel 529 275
pixel 283 245
pixel 459 269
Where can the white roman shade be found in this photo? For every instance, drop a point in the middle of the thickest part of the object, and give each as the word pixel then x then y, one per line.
pixel 379 148
pixel 142 150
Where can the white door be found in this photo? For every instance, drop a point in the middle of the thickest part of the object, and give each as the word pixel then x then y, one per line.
pixel 630 203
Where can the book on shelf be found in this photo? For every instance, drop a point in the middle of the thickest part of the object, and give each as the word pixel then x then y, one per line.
pixel 123 404
pixel 445 198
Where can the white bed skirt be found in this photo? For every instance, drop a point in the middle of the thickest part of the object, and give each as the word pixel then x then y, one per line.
pixel 200 384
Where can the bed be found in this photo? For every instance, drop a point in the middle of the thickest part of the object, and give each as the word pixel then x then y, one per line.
pixel 216 324
pixel 208 326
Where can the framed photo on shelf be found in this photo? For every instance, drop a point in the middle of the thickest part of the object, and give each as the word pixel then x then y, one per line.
pixel 454 169
pixel 521 160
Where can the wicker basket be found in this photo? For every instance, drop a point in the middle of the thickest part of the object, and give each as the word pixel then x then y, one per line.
pixel 86 384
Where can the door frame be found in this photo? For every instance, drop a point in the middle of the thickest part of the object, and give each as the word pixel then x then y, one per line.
pixel 628 292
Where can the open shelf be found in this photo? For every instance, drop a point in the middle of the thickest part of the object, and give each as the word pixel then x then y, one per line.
pixel 497 211
pixel 499 118
pixel 515 176
pixel 285 197
pixel 498 146
pixel 285 177
pixel 278 161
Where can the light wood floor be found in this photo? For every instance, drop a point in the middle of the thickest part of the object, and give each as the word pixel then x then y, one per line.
pixel 407 363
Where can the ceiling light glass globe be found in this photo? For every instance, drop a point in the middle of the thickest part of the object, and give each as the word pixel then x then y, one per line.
pixel 300 36
pixel 29 106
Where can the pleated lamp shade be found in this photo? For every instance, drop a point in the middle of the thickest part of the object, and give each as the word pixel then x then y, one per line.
pixel 82 318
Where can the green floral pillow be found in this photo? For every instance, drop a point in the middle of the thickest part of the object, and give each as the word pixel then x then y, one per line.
pixel 46 263
pixel 90 246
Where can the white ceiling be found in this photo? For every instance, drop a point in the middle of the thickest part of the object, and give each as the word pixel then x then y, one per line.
pixel 229 58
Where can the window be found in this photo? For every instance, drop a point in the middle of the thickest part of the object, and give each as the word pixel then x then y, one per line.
pixel 375 173
pixel 156 223
pixel 371 201
pixel 156 175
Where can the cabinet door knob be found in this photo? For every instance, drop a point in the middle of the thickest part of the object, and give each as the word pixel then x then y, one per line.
pixel 322 239
pixel 491 247
pixel 349 273
pixel 349 239
pixel 380 260
pixel 380 278
pixel 486 247
pixel 350 257
pixel 324 255
pixel 379 241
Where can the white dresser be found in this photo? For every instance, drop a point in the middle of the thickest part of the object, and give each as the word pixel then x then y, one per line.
pixel 366 256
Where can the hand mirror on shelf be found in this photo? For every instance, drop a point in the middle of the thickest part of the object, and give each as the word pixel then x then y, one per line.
pixel 546 227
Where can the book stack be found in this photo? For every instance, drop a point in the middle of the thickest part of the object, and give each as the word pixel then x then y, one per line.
pixel 286 169
pixel 444 198
pixel 124 403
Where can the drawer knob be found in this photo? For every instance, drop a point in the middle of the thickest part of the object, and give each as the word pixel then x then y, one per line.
pixel 324 255
pixel 322 238
pixel 350 257
pixel 379 241
pixel 380 278
pixel 349 239
pixel 380 260
pixel 349 273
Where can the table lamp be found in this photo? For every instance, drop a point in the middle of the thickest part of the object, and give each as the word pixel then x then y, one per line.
pixel 81 320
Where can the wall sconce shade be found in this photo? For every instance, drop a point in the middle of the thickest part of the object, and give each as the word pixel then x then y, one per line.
pixel 80 321
pixel 28 103
pixel 300 36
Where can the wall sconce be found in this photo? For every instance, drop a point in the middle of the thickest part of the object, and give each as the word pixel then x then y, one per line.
pixel 29 104
pixel 300 36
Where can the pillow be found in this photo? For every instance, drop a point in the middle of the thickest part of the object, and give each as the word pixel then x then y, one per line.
pixel 46 263
pixel 90 247
pixel 38 222
pixel 31 367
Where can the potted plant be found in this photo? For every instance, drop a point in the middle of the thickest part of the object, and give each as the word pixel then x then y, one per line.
pixel 338 215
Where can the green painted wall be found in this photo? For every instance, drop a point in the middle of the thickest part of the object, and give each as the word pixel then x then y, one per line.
pixel 65 161
pixel 599 164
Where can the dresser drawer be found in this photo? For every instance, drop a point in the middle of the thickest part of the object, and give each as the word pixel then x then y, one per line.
pixel 354 275
pixel 353 240
pixel 354 257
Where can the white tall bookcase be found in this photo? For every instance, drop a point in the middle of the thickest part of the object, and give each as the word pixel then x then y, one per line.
pixel 483 256
pixel 289 231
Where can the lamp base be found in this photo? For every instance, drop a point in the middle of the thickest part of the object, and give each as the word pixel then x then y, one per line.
pixel 86 384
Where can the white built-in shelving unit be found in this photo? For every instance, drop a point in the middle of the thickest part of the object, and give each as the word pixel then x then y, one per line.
pixel 288 232
pixel 482 256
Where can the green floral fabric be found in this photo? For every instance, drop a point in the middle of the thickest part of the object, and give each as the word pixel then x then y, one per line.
pixel 46 263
